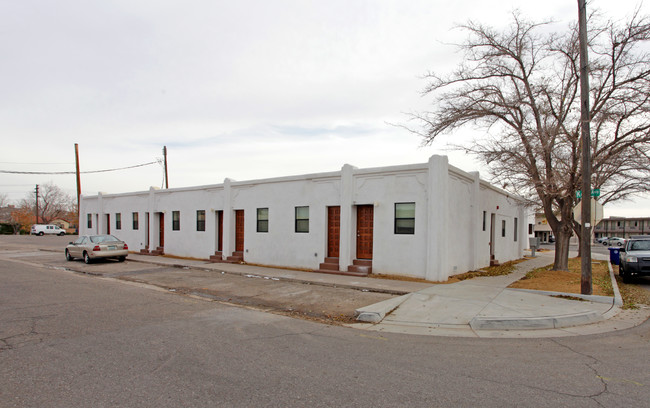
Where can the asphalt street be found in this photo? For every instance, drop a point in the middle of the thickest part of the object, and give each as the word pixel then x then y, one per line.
pixel 72 340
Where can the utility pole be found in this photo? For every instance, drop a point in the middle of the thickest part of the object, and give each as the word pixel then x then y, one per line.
pixel 36 191
pixel 165 156
pixel 585 236
pixel 76 155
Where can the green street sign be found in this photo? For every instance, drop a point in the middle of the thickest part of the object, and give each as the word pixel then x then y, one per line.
pixel 594 193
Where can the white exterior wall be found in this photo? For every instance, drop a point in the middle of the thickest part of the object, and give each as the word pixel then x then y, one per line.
pixel 394 254
pixel 281 245
pixel 448 238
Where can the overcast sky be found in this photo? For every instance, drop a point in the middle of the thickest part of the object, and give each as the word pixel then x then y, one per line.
pixel 244 89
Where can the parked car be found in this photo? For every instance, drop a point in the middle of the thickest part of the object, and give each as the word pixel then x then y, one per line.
pixel 551 239
pixel 42 229
pixel 614 241
pixel 90 247
pixel 635 259
pixel 601 240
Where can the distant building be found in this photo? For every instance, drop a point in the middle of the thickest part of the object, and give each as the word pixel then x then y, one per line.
pixel 544 232
pixel 623 227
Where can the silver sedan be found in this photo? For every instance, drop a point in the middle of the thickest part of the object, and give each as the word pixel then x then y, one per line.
pixel 90 247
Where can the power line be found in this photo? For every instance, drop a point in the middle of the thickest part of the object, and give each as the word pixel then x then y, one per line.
pixel 30 163
pixel 73 172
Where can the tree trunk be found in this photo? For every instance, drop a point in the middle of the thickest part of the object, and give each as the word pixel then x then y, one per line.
pixel 562 237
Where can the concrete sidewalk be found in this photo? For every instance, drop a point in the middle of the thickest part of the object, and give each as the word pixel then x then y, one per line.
pixel 485 307
pixel 479 307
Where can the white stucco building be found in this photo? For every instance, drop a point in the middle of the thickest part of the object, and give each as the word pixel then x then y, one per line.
pixel 428 220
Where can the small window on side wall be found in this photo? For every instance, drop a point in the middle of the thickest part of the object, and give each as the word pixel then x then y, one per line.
pixel 516 234
pixel 136 223
pixel 302 219
pixel 176 220
pixel 484 219
pixel 262 220
pixel 404 218
pixel 503 228
pixel 90 220
pixel 200 220
pixel 118 221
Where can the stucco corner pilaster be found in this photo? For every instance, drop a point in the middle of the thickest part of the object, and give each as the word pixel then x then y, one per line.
pixel 438 218
pixel 347 230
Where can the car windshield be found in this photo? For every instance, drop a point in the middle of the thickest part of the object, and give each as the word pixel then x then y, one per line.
pixel 97 239
pixel 640 245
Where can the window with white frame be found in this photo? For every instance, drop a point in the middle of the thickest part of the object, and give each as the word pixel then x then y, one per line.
pixel 302 219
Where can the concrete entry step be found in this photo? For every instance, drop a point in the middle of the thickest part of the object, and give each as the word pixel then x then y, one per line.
pixel 362 262
pixel 329 266
pixel 237 257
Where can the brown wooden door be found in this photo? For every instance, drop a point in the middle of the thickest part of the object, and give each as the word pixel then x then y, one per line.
pixel 492 227
pixel 161 229
pixel 364 231
pixel 239 230
pixel 220 231
pixel 146 226
pixel 333 231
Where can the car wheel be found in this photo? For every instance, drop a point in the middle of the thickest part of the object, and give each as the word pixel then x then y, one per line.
pixel 67 256
pixel 620 244
pixel 62 234
pixel 121 259
pixel 40 234
pixel 86 258
pixel 624 275
pixel 604 243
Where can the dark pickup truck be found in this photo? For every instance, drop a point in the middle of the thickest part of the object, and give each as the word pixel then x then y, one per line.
pixel 635 259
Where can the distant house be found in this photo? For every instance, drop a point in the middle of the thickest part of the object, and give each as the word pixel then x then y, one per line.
pixel 544 232
pixel 623 227
pixel 69 227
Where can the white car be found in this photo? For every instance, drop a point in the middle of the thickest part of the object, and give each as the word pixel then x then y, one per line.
pixel 614 241
pixel 42 229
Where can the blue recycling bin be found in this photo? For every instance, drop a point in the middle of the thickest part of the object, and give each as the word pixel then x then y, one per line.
pixel 614 256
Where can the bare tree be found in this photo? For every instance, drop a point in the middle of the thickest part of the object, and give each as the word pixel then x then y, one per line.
pixel 53 203
pixel 4 200
pixel 521 87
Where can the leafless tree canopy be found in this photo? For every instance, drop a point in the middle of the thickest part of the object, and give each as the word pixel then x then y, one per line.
pixel 522 87
pixel 53 203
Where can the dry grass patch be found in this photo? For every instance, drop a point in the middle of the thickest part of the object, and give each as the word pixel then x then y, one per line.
pixel 567 281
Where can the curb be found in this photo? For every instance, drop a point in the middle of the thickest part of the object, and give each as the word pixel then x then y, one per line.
pixel 375 313
pixel 591 298
pixel 542 322
pixel 618 300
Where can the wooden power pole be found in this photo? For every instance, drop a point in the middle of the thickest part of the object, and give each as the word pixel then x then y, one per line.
pixel 585 236
pixel 165 157
pixel 76 156
pixel 36 191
